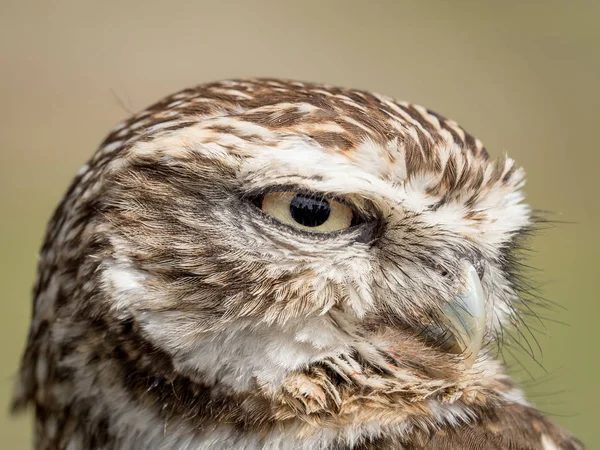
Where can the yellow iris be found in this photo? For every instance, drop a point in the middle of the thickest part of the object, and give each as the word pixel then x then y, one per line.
pixel 307 212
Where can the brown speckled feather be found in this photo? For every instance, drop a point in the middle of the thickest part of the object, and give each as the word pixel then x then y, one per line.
pixel 179 305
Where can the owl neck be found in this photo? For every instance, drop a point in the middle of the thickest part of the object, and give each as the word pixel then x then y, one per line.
pixel 139 396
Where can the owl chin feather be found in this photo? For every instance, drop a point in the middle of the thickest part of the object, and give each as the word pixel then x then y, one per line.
pixel 270 264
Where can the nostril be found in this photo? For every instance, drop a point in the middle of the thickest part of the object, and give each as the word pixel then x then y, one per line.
pixel 441 269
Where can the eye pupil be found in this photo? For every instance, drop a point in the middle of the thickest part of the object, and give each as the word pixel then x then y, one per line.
pixel 309 211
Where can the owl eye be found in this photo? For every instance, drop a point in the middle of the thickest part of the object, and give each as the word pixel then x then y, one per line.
pixel 309 212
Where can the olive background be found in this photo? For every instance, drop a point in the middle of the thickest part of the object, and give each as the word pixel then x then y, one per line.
pixel 521 75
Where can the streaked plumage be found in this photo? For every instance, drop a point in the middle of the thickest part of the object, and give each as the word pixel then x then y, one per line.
pixel 171 312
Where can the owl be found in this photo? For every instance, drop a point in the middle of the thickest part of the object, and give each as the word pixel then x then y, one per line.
pixel 273 264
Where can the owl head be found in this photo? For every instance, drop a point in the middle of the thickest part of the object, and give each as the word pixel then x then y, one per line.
pixel 299 250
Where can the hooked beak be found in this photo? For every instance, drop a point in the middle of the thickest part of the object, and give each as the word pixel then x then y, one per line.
pixel 460 325
pixel 466 317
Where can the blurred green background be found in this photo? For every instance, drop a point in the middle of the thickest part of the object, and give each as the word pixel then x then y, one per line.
pixel 522 76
